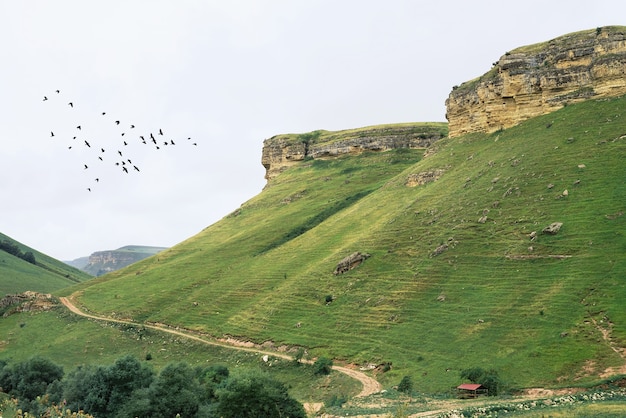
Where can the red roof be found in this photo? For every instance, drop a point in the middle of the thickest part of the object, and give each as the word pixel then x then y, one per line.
pixel 469 386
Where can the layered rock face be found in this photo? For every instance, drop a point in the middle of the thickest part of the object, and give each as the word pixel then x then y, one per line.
pixel 282 151
pixel 538 79
pixel 102 262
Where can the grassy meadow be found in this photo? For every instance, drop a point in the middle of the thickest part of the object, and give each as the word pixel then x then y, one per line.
pixel 533 309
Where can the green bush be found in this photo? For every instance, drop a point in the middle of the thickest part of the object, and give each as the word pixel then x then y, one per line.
pixel 405 385
pixel 323 366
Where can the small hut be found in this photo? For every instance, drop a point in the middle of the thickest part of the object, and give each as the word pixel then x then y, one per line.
pixel 471 390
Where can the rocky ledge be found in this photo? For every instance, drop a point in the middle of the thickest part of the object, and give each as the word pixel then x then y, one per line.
pixel 538 79
pixel 282 151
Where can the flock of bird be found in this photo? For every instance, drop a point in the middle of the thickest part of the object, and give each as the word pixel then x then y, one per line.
pixel 127 134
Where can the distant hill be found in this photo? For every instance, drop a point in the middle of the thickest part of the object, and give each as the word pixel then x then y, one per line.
pixel 102 262
pixel 46 274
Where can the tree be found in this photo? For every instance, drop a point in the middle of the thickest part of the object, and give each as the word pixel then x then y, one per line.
pixel 175 391
pixel 29 379
pixel 255 395
pixel 323 366
pixel 29 256
pixel 103 390
pixel 405 385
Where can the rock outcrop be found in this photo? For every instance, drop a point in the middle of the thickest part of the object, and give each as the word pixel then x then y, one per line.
pixel 28 301
pixel 538 79
pixel 102 262
pixel 282 151
pixel 350 262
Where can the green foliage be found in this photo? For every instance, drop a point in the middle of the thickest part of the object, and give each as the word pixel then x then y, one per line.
pixel 12 248
pixel 103 390
pixel 309 137
pixel 256 396
pixel 128 388
pixel 488 378
pixel 29 379
pixel 406 385
pixel 323 366
pixel 335 401
pixel 300 352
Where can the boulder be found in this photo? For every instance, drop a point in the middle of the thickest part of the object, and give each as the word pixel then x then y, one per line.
pixel 553 228
pixel 350 262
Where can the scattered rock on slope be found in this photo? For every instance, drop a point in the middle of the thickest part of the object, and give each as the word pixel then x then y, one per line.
pixel 350 262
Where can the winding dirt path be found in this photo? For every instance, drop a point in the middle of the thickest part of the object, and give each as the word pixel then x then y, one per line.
pixel 370 385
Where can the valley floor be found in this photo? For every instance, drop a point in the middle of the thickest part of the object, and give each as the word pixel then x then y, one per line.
pixel 371 397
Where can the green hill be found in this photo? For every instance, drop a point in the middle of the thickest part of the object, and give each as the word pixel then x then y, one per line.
pixel 45 275
pixel 460 273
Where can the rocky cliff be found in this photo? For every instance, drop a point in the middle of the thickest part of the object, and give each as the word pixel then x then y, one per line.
pixel 539 79
pixel 281 151
pixel 102 262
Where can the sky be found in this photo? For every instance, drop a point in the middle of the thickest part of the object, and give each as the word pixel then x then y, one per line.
pixel 228 75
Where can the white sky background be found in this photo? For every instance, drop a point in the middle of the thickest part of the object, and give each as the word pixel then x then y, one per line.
pixel 228 74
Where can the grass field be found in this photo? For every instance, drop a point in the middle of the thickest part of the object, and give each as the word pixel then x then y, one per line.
pixel 69 340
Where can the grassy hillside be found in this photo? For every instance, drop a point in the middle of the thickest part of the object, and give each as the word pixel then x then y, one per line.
pixel 46 275
pixel 536 315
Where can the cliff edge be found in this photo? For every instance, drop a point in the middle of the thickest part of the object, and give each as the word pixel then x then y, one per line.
pixel 538 79
pixel 282 151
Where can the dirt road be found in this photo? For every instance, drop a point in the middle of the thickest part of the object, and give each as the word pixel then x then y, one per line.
pixel 370 385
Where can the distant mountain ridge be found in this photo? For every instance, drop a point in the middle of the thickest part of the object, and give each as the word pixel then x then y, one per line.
pixel 102 262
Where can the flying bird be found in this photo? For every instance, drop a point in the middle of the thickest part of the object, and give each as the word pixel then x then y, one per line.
pixel 135 167
pixel 51 133
pixel 97 180
pixel 100 158
pixel 132 126
pixel 102 149
pixel 70 104
pixel 78 127
pixel 123 133
pixel 160 131
pixel 89 188
pixel 45 98
pixel 125 143
pixel 104 113
pixel 119 152
pixel 125 169
pixel 87 143
pixel 172 142
pixel 117 122
pixel 58 91
pixel 86 167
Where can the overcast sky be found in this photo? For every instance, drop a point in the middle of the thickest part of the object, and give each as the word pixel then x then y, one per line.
pixel 227 74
